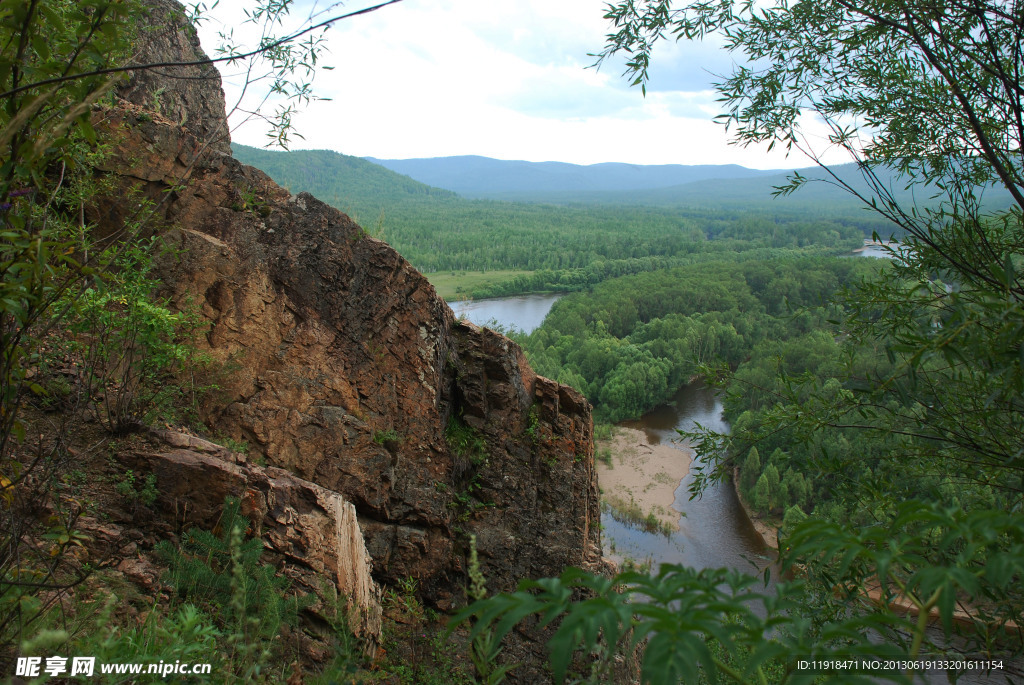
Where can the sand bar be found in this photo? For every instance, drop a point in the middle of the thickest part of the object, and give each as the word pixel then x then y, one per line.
pixel 643 474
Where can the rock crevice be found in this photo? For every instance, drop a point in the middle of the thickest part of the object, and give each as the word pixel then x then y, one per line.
pixel 343 367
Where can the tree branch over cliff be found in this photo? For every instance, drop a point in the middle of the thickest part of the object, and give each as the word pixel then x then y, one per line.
pixel 263 49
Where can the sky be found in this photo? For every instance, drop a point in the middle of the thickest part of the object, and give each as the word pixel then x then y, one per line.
pixel 510 80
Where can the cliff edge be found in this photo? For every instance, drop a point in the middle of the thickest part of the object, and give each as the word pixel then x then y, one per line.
pixel 344 367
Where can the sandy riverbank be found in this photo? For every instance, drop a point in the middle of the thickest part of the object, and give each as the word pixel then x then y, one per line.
pixel 643 475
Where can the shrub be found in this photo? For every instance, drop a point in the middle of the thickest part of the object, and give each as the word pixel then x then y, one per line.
pixel 223 573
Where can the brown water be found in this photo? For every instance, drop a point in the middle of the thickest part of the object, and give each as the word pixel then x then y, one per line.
pixel 714 531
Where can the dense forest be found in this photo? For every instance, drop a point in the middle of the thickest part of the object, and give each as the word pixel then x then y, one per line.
pixel 631 342
pixel 439 231
pixel 876 407
pixel 884 431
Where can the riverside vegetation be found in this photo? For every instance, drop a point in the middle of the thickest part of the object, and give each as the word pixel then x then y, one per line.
pixel 90 356
pixel 890 433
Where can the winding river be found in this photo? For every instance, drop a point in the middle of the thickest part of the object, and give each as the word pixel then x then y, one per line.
pixel 714 531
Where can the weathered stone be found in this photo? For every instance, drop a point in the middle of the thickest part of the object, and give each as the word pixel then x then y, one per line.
pixel 186 96
pixel 310 533
pixel 332 345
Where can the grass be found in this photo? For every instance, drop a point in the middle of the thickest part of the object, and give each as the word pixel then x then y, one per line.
pixel 630 514
pixel 451 285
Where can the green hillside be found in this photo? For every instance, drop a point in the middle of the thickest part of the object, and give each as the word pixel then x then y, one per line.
pixel 335 178
pixel 568 247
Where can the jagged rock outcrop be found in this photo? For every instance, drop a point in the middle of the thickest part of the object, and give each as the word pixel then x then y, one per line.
pixel 343 367
pixel 311 533
pixel 346 369
pixel 188 96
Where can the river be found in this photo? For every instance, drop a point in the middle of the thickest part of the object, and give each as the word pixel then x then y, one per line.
pixel 714 531
pixel 524 312
pixel 877 250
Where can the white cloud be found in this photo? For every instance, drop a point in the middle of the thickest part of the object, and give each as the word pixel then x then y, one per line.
pixel 427 78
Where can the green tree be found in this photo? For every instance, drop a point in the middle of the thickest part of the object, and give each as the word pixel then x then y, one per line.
pixel 762 499
pixel 933 93
pixel 795 488
pixel 751 469
pixel 774 485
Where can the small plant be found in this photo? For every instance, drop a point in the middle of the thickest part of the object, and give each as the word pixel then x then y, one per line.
pixel 604 431
pixel 249 201
pixel 340 615
pixel 403 598
pixel 466 442
pixel 466 502
pixel 223 572
pixel 378 351
pixel 239 446
pixel 486 645
pixel 388 436
pixel 533 424
pixel 164 636
pixel 131 489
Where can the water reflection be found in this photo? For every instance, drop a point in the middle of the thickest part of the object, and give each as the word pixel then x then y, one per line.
pixel 877 250
pixel 525 312
pixel 714 530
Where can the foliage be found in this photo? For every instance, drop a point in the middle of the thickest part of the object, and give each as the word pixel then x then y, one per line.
pixel 486 646
pixel 168 636
pixel 905 418
pixel 465 441
pixel 101 621
pixel 131 344
pixel 46 145
pixel 224 571
pixel 676 616
pixel 130 489
pixel 631 342
pixel 383 437
pixel 682 613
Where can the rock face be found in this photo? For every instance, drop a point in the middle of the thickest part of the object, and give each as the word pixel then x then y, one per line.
pixel 310 532
pixel 189 96
pixel 343 367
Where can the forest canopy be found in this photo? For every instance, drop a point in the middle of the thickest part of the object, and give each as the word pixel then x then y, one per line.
pixel 908 417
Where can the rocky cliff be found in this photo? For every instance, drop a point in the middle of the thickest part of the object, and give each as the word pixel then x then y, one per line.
pixel 344 367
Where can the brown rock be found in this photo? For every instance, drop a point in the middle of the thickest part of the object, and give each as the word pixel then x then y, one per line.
pixel 184 96
pixel 310 533
pixel 332 344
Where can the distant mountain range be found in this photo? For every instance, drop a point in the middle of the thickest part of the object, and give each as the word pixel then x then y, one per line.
pixel 366 186
pixel 482 177
pixel 667 185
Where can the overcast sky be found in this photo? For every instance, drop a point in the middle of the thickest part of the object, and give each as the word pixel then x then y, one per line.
pixel 434 78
